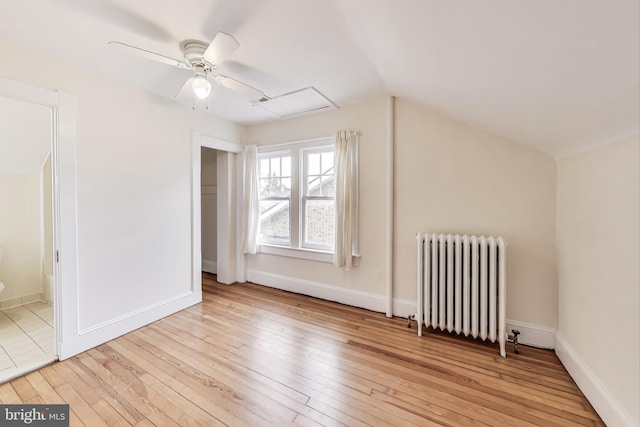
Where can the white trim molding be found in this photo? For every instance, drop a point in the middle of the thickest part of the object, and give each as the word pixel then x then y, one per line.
pixel 235 258
pixel 602 400
pixel 63 160
pixel 533 335
pixel 530 334
pixel 301 253
pixel 98 334
pixel 209 266
pixel 403 308
pixel 360 299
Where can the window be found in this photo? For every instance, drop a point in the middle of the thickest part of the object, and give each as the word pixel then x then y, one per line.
pixel 318 199
pixel 275 198
pixel 297 198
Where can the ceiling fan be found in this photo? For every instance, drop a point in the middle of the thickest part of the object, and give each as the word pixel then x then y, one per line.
pixel 203 59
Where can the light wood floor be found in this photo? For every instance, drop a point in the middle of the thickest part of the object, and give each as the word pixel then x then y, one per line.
pixel 254 356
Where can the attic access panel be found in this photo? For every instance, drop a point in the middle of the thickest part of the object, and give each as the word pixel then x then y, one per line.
pixel 297 103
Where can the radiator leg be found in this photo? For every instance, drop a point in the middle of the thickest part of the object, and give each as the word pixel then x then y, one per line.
pixel 513 338
pixel 409 319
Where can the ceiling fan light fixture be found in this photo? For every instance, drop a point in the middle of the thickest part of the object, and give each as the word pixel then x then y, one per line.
pixel 200 84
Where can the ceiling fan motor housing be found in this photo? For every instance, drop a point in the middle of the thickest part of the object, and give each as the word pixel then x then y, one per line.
pixel 193 51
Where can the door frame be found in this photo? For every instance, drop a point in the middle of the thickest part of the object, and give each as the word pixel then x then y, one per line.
pixel 63 164
pixel 225 234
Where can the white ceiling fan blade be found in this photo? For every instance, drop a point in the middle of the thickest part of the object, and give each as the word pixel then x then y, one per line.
pixel 149 55
pixel 220 48
pixel 251 93
pixel 185 90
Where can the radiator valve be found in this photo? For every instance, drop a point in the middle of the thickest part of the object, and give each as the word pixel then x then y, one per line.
pixel 409 319
pixel 513 338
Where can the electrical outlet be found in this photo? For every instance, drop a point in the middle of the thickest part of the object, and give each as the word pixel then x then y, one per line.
pixel 379 276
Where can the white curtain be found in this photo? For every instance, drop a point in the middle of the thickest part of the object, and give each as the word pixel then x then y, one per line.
pixel 346 198
pixel 251 203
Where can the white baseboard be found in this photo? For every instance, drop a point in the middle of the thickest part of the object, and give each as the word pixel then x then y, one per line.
pixel 602 400
pixel 21 300
pixel 533 335
pixel 403 308
pixel 99 334
pixel 209 266
pixel 530 334
pixel 360 299
pixel 323 291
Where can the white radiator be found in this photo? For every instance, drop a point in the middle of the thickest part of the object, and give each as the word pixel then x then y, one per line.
pixel 462 285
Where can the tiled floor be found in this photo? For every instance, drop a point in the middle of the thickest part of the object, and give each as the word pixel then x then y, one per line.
pixel 26 338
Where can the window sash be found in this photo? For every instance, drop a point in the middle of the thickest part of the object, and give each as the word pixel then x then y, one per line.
pixel 323 174
pixel 298 198
pixel 307 242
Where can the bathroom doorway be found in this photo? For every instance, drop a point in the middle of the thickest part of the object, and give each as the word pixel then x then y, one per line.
pixel 27 248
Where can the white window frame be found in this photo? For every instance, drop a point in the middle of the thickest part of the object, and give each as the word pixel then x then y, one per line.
pixel 304 197
pixel 290 199
pixel 296 249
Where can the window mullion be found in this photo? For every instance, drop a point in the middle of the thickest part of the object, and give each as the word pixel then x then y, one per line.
pixel 295 199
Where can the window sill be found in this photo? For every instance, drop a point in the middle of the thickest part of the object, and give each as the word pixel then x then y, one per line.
pixel 308 254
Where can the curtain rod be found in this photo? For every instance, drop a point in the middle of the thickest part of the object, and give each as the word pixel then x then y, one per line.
pixel 283 144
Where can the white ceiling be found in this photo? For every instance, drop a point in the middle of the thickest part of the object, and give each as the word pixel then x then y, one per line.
pixel 556 75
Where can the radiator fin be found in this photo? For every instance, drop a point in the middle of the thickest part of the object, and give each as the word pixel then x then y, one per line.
pixel 462 285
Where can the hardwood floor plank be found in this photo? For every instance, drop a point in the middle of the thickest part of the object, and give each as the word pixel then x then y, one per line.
pixel 410 372
pixel 130 388
pixel 523 406
pixel 44 389
pixel 109 414
pixel 319 375
pixel 81 408
pixel 255 356
pixel 204 388
pixel 8 394
pixel 261 405
pixel 232 408
pixel 195 413
pixel 25 390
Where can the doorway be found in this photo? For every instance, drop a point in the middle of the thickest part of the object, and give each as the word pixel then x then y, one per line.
pixel 62 108
pixel 209 216
pixel 229 261
pixel 27 269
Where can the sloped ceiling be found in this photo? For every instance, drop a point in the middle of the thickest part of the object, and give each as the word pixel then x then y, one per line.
pixel 25 137
pixel 558 76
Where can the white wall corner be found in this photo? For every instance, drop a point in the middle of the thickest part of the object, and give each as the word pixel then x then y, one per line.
pixel 209 266
pixel 533 335
pixel 602 400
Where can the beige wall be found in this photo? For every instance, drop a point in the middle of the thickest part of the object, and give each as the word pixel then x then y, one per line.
pixel 449 178
pixel 370 120
pixel 20 236
pixel 598 257
pixel 133 165
pixel 453 178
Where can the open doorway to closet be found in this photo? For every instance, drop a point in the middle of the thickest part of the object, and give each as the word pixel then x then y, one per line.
pixel 209 208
